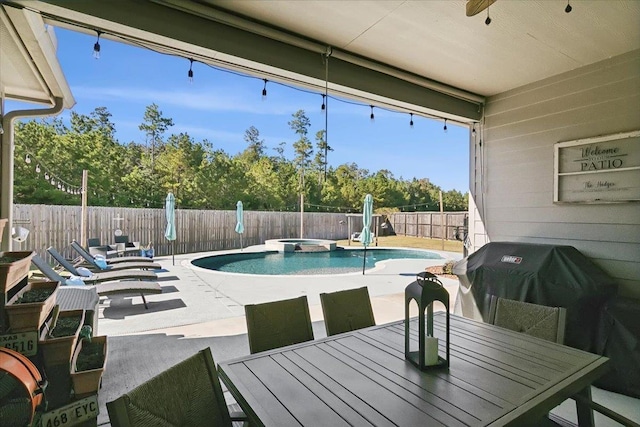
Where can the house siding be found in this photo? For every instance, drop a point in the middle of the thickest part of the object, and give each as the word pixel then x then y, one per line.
pixel 512 166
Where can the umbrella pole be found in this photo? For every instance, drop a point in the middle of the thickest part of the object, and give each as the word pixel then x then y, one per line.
pixel 173 252
pixel 364 259
pixel 241 241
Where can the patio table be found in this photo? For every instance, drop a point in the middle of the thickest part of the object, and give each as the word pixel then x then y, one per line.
pixel 497 377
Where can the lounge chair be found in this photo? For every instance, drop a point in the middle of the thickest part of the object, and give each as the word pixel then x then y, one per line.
pixel 104 289
pixel 116 263
pixel 104 276
pixel 113 260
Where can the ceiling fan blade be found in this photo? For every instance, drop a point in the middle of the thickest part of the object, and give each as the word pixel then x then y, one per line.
pixel 476 6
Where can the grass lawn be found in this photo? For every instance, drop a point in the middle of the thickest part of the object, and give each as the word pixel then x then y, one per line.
pixel 412 242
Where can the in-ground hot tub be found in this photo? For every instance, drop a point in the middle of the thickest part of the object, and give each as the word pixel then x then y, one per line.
pixel 304 245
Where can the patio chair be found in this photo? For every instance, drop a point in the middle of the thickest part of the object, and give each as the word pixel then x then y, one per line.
pixel 187 394
pixel 104 289
pixel 532 319
pixel 145 264
pixel 277 324
pixel 124 246
pixel 110 261
pixel 347 310
pixel 547 323
pixel 104 276
pixel 96 248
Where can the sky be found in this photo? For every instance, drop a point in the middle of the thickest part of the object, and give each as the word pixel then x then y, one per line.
pixel 220 105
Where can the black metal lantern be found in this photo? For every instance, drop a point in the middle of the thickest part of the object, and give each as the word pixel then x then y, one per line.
pixel 425 290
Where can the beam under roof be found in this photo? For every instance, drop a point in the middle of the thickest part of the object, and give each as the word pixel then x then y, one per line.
pixel 213 36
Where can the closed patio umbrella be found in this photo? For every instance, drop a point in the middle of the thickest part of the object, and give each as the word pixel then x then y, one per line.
pixel 239 221
pixel 365 236
pixel 170 233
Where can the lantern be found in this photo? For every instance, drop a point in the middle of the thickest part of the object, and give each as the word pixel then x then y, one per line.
pixel 425 290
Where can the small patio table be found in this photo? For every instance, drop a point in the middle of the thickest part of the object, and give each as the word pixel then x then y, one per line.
pixel 497 377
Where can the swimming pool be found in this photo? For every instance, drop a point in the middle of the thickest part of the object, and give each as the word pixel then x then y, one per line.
pixel 305 263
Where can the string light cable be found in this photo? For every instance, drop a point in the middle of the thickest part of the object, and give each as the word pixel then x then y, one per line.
pixel 51 177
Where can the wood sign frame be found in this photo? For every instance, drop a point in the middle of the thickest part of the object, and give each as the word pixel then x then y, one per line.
pixel 603 169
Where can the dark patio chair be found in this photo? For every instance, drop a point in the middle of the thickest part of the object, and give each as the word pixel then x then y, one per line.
pixel 347 310
pixel 277 324
pixel 187 394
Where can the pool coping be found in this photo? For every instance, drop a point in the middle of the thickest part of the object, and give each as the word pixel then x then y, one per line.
pixel 378 266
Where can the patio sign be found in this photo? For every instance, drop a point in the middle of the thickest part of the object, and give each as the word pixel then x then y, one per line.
pixel 604 169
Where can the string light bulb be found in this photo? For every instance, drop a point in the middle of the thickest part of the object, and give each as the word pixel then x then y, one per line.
pixel 488 20
pixel 264 90
pixel 190 73
pixel 27 159
pixel 411 120
pixel 38 168
pixel 96 46
pixel 323 107
pixel 372 116
pixel 46 176
pixel 568 8
pixel 445 126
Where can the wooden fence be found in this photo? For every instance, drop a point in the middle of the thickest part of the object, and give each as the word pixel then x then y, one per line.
pixel 428 224
pixel 196 230
pixel 201 230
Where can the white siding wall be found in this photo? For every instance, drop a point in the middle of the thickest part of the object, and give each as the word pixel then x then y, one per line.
pixel 512 174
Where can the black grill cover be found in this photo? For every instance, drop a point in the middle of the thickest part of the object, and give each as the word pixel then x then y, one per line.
pixel 558 276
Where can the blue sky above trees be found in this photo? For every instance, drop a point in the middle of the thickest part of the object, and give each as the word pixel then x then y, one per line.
pixel 220 106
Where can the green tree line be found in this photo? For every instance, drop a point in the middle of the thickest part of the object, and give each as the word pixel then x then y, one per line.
pixel 139 174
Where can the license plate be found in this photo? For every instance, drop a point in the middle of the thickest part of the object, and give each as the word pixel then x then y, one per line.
pixel 72 414
pixel 22 342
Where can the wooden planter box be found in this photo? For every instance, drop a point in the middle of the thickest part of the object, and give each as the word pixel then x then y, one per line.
pixel 58 351
pixel 11 273
pixel 30 316
pixel 85 382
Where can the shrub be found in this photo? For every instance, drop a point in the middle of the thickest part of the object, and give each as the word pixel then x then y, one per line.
pixel 447 268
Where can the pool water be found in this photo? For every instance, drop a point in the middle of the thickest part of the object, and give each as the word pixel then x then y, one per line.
pixel 290 263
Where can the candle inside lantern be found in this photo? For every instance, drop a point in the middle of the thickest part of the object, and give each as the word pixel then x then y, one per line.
pixel 430 351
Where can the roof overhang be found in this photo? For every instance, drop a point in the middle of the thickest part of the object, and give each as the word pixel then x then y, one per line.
pixel 210 35
pixel 29 70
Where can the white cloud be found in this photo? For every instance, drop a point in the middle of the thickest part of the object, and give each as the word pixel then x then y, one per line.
pixel 237 100
pixel 227 99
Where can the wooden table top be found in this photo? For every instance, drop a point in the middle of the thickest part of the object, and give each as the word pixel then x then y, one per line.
pixel 496 377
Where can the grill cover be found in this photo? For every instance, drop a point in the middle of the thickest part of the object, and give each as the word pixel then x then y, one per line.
pixel 558 276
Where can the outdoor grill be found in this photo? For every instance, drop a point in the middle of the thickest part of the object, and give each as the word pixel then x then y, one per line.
pixel 559 276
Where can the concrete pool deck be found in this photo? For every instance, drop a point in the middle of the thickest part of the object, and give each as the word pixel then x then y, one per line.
pixel 195 299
